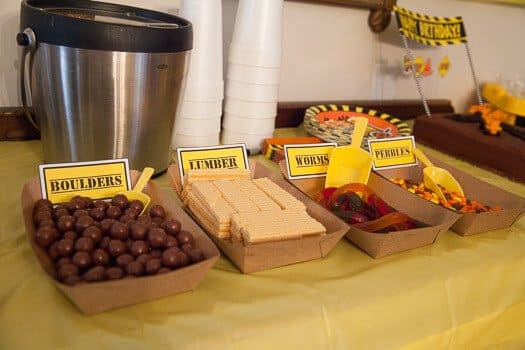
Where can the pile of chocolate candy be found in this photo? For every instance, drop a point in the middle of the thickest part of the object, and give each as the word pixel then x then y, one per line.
pixel 91 241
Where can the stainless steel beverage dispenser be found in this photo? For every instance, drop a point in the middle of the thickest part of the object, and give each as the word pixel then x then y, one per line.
pixel 105 79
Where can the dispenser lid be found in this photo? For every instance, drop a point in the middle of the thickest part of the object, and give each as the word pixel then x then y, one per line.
pixel 103 26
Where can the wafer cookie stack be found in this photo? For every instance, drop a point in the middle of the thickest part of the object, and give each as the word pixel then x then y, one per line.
pixel 252 211
pixel 192 176
pixel 284 199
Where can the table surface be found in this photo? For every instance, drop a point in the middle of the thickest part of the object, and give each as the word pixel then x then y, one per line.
pixel 458 293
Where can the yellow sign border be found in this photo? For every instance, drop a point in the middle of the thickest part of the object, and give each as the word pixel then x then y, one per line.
pixel 308 145
pixel 413 141
pixel 210 148
pixel 43 167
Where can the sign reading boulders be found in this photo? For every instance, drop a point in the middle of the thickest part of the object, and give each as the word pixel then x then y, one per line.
pixel 98 179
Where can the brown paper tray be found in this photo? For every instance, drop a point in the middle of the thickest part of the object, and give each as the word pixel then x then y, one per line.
pixel 262 256
pixel 513 207
pixel 379 245
pixel 91 298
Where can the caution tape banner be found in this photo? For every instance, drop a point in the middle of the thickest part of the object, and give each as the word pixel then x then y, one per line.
pixel 430 30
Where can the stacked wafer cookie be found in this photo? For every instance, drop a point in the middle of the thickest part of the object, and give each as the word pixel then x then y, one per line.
pixel 236 207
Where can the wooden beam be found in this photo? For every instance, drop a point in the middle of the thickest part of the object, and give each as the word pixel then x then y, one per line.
pixel 380 10
pixel 367 4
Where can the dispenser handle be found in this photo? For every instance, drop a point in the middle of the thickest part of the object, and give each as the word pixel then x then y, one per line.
pixel 27 40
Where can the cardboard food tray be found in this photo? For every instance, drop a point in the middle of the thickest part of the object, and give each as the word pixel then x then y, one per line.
pixel 91 298
pixel 262 256
pixel 379 245
pixel 513 207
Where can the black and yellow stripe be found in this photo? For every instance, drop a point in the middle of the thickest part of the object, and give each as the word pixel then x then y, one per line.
pixel 430 30
pixel 342 135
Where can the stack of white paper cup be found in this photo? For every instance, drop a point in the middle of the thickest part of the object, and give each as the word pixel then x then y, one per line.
pixel 198 122
pixel 252 82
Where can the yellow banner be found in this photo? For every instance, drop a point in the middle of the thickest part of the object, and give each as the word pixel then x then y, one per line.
pixel 308 160
pixel 430 30
pixel 392 153
pixel 97 180
pixel 216 157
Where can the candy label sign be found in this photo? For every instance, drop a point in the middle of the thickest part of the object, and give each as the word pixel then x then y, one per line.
pixel 216 157
pixel 98 179
pixel 308 160
pixel 392 153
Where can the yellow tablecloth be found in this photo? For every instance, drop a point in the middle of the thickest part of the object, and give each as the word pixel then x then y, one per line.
pixel 460 293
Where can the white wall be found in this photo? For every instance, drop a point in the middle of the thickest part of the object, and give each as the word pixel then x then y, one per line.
pixel 329 52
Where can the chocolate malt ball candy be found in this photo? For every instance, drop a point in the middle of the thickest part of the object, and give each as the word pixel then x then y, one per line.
pixel 119 230
pixel 158 221
pixel 130 223
pixel 184 237
pixel 66 270
pixel 94 233
pixel 106 224
pixel 129 242
pixel 41 215
pixel 47 223
pixel 126 218
pixel 100 257
pixel 120 201
pixel 157 211
pixel 138 231
pixel 157 237
pixel 70 235
pixel 139 247
pixel 71 280
pixel 171 258
pixel 83 222
pixel 80 212
pixel 113 212
pixel 82 260
pixel 75 204
pixel 143 258
pixel 196 255
pixel 137 205
pixel 63 261
pixel 124 259
pixel 155 253
pixel 100 204
pixel 116 247
pixel 114 273
pixel 171 242
pixel 134 213
pixel 60 211
pixel 152 266
pixel 84 244
pixel 135 268
pixel 52 251
pixel 42 210
pixel 104 242
pixel 183 258
pixel 97 213
pixel 144 219
pixel 186 247
pixel 66 223
pixel 88 202
pixel 65 247
pixel 44 203
pixel 172 226
pixel 45 236
pixel 95 274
